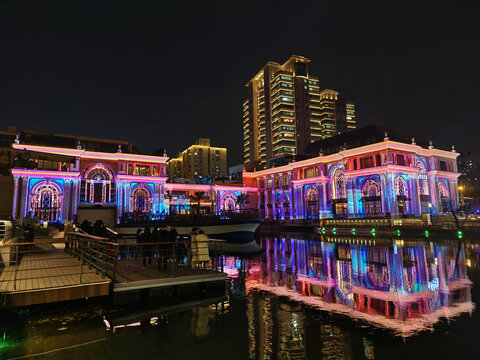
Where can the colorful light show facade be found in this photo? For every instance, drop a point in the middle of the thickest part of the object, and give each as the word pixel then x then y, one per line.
pixel 135 185
pixel 381 179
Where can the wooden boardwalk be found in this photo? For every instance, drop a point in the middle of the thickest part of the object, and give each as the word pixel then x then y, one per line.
pixel 151 277
pixel 49 276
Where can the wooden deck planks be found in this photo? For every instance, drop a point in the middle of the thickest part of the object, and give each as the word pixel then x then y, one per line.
pixel 44 270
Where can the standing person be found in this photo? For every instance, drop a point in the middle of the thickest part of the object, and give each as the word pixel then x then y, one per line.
pixel 164 248
pixel 202 246
pixel 147 249
pixel 68 227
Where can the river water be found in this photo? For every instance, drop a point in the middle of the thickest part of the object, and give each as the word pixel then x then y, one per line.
pixel 300 298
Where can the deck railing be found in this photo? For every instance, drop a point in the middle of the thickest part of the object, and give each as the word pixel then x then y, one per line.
pixel 87 258
pixel 42 264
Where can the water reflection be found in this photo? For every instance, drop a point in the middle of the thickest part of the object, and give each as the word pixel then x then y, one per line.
pixel 324 298
pixel 405 286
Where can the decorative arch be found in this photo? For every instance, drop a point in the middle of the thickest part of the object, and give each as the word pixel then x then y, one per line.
pixel 421 165
pixel 311 199
pixel 98 185
pixel 401 188
pixel 339 189
pixel 46 199
pixel 422 177
pixel 228 201
pixel 372 197
pixel 141 198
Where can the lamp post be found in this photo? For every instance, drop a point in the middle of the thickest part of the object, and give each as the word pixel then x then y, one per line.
pixel 460 193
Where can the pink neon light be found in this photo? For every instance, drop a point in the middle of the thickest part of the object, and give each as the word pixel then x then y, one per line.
pixel 310 180
pixel 186 187
pixel 382 170
pixel 91 154
pixel 46 173
pixel 139 178
pixel 445 174
pixel 354 152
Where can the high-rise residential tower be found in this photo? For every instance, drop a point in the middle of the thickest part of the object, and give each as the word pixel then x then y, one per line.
pixel 198 161
pixel 285 111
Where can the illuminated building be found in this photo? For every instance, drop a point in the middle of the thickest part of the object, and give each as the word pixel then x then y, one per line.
pixel 285 111
pixel 198 161
pixel 370 177
pixel 382 178
pixel 115 186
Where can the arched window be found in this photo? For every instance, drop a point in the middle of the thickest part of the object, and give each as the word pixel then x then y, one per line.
pixel 422 178
pixel 401 190
pixel 372 198
pixel 339 190
pixel 98 185
pixel 46 202
pixel 311 198
pixel 401 187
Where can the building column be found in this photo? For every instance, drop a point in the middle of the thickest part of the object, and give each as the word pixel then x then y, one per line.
pixel 416 184
pixel 282 214
pixel 385 195
pixel 320 199
pixel 126 196
pixel 15 197
pixel 265 197
pixel 66 201
pixel 350 196
pixel 433 191
pixel 414 189
pixel 24 198
pixel 274 200
pixel 453 192
pixel 258 195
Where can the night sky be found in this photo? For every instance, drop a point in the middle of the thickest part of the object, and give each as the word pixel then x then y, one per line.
pixel 163 73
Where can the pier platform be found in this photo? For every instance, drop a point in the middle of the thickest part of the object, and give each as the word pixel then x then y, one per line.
pixel 49 276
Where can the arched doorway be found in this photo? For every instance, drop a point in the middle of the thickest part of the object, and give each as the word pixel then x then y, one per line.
pixel 372 198
pixel 401 191
pixel 98 185
pixel 229 202
pixel 46 201
pixel 141 200
pixel 311 199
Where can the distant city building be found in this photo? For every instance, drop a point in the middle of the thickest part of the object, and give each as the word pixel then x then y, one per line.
pixel 198 161
pixel 286 110
pixel 469 180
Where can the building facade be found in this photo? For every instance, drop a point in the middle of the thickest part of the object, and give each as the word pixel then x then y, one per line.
pixel 285 111
pixel 198 161
pixel 387 178
pixel 119 186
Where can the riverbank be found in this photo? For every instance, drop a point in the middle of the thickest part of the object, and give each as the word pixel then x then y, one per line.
pixel 370 227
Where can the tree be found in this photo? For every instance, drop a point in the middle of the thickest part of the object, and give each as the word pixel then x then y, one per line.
pixel 199 195
pixel 242 200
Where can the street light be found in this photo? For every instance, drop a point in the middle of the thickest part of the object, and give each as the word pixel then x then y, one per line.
pixel 460 188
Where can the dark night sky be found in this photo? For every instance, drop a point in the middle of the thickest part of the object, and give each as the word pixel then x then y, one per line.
pixel 160 74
